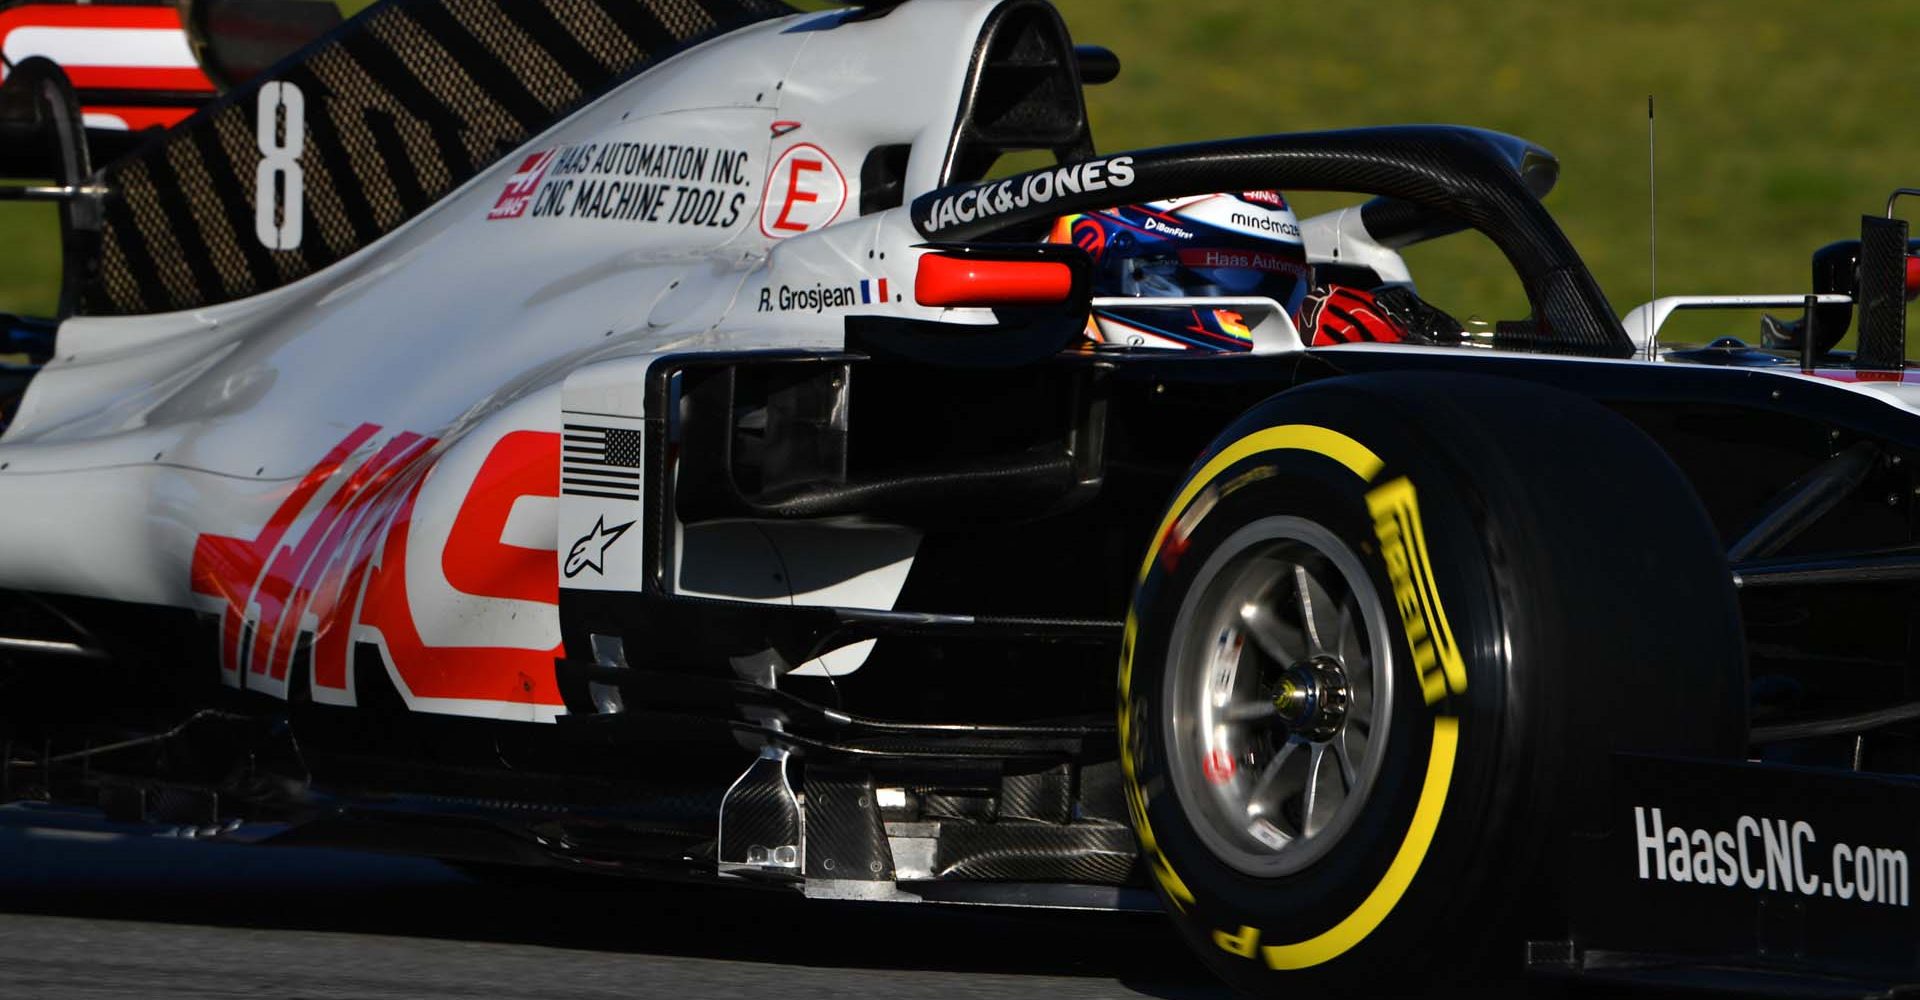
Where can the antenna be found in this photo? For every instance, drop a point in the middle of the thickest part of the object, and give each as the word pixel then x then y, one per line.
pixel 1653 242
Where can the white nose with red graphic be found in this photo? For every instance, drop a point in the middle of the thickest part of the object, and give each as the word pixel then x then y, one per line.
pixel 805 191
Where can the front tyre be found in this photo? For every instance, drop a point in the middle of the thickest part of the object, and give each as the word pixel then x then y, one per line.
pixel 1378 652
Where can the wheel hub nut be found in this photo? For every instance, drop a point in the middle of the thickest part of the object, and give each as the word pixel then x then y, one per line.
pixel 1312 699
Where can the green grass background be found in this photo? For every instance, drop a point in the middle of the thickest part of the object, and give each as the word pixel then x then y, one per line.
pixel 1780 121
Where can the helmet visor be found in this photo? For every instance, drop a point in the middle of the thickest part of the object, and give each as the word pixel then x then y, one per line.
pixel 1219 271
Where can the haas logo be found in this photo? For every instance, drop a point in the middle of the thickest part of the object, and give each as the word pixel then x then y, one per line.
pixel 348 558
pixel 521 186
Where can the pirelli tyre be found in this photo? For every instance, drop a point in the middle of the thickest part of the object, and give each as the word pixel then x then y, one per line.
pixel 1379 649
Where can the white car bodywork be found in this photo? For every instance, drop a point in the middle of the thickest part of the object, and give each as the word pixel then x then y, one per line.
pixel 313 460
pixel 420 446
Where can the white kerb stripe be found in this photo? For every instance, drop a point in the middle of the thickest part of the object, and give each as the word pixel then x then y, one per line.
pixel 134 48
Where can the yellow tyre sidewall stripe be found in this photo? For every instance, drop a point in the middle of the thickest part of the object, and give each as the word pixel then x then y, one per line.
pixel 1287 437
pixel 1355 926
pixel 1406 861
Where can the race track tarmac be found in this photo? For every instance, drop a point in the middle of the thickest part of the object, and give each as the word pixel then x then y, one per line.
pixel 90 913
pixel 93 911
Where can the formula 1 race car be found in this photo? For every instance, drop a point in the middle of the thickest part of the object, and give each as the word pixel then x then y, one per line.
pixel 644 437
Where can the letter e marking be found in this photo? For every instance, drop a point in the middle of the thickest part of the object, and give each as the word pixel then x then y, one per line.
pixel 805 191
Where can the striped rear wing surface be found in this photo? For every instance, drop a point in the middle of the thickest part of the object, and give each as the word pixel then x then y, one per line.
pixel 361 131
pixel 131 64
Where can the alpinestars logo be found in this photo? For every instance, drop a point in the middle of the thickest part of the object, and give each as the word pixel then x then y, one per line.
pixel 590 552
pixel 521 186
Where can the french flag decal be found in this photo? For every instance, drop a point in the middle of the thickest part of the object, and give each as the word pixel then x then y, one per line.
pixel 873 290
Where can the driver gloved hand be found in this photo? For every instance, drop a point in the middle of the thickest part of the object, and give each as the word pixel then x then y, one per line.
pixel 1337 314
pixel 1424 322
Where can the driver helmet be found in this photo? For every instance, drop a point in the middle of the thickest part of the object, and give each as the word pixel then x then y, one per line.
pixel 1245 244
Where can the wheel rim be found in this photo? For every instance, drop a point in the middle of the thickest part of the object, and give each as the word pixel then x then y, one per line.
pixel 1280 684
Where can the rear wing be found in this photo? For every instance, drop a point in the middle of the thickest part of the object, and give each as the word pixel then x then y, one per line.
pixel 132 65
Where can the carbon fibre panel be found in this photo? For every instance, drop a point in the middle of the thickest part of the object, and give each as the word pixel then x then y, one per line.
pixel 1045 796
pixel 760 817
pixel 1013 851
pixel 844 837
pixel 1883 294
